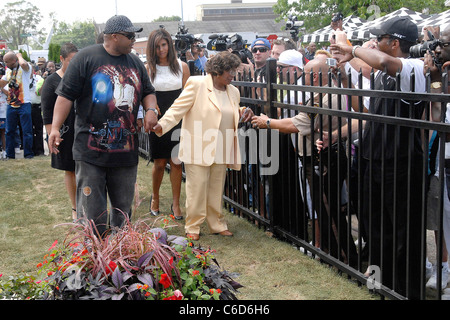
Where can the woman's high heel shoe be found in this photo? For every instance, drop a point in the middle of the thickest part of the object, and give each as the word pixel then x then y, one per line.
pixel 153 212
pixel 175 217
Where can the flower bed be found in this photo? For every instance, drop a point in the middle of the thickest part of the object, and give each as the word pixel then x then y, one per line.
pixel 136 262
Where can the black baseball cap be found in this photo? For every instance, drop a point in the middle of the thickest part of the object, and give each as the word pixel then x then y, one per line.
pixel 120 23
pixel 400 27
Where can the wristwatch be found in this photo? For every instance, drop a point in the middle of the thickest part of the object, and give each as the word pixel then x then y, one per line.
pixel 154 110
pixel 268 123
pixel 436 85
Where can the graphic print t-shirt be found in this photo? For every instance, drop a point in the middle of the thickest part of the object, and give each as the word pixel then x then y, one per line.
pixel 108 91
pixel 19 83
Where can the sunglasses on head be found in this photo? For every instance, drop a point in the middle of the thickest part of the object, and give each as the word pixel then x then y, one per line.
pixel 130 36
pixel 260 49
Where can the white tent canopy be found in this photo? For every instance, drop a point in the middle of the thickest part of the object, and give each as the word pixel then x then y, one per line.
pixel 358 29
pixel 442 19
pixel 363 33
pixel 322 35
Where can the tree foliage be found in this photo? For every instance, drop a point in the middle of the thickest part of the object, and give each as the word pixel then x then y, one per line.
pixel 54 51
pixel 165 18
pixel 317 14
pixel 81 34
pixel 17 19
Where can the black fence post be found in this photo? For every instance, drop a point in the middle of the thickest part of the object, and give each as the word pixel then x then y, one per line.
pixel 271 78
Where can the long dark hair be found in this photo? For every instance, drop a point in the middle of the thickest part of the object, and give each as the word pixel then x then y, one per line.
pixel 152 59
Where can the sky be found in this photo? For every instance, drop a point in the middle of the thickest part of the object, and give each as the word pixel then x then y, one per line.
pixel 137 10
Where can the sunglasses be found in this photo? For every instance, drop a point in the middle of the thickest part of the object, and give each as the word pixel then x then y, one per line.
pixel 260 49
pixel 443 44
pixel 381 37
pixel 130 36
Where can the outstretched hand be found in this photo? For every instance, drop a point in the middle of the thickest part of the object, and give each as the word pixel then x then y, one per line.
pixel 341 52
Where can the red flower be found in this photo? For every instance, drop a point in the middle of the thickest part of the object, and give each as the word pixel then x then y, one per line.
pixel 195 272
pixel 165 281
pixel 110 268
pixel 177 295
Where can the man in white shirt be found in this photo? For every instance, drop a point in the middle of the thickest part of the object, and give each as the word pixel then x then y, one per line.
pixel 18 79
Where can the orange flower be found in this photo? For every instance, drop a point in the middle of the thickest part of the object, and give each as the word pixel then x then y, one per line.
pixel 195 272
pixel 215 290
pixel 39 265
pixel 49 273
pixel 53 245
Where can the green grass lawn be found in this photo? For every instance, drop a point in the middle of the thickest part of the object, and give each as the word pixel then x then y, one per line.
pixel 34 207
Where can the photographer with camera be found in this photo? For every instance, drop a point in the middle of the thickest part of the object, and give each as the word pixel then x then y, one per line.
pixel 18 78
pixel 50 68
pixel 394 39
pixel 436 61
pixel 197 54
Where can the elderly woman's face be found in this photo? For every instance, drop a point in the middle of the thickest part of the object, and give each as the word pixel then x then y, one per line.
pixel 225 78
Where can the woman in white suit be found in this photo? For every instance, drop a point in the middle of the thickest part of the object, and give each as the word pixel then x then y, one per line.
pixel 209 108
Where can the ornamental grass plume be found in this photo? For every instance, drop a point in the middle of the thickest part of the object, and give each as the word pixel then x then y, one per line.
pixel 138 261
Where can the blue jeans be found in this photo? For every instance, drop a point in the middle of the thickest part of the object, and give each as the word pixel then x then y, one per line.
pixel 13 116
pixel 95 184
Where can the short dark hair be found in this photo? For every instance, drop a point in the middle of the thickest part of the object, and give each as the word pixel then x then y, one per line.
pixel 68 48
pixel 221 62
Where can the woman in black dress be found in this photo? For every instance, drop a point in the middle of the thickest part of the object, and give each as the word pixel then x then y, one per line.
pixel 168 75
pixel 64 159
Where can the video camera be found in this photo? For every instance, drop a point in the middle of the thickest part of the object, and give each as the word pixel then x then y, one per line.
pixel 239 47
pixel 183 40
pixel 293 26
pixel 419 50
pixel 218 42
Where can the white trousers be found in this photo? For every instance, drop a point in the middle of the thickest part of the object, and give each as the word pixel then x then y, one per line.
pixel 204 191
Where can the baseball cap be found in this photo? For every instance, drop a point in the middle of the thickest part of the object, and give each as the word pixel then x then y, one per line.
pixel 265 43
pixel 120 23
pixel 291 57
pixel 400 27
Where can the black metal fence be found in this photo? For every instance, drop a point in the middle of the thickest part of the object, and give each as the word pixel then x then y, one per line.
pixel 354 205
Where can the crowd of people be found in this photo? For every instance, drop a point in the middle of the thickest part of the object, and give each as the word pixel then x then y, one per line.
pixel 90 109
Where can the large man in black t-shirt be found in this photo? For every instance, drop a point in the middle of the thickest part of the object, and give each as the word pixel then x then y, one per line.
pixel 108 84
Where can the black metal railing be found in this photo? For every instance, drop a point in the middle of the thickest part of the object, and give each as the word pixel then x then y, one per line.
pixel 324 202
